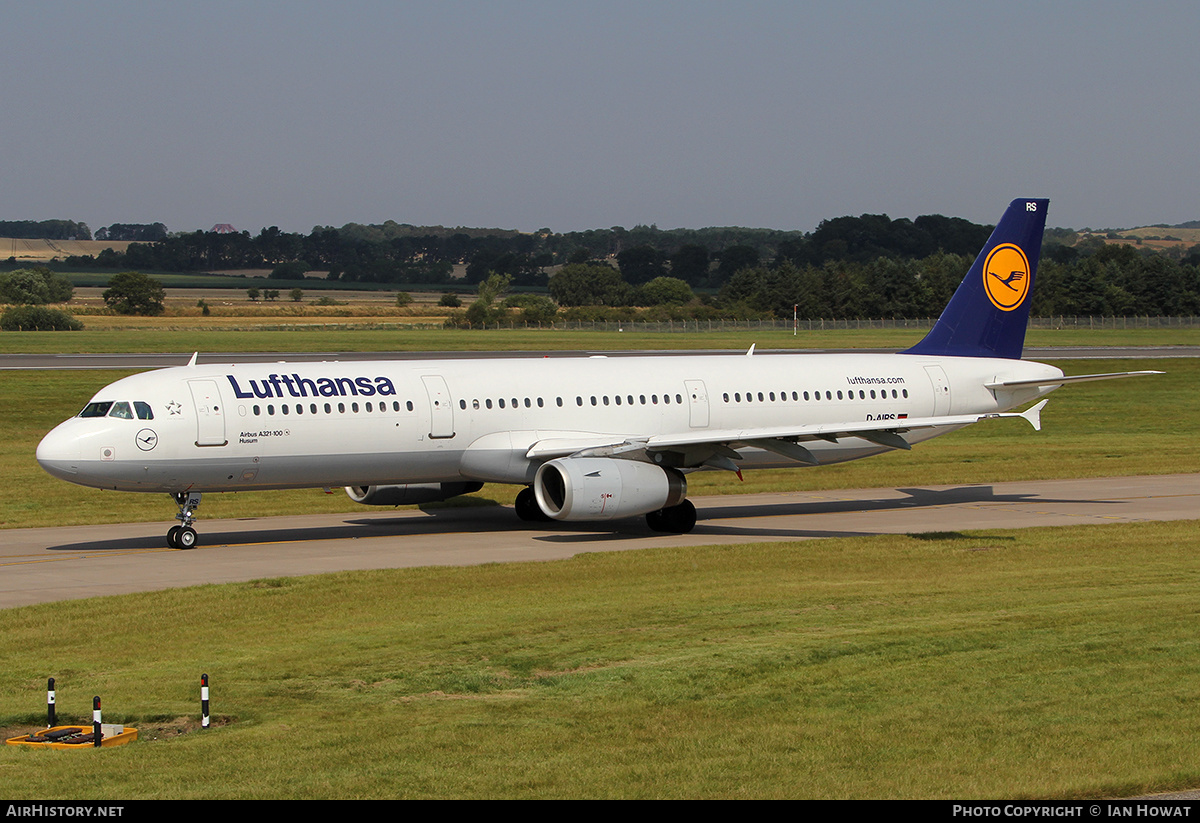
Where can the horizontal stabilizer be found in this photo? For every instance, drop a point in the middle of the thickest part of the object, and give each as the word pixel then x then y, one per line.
pixel 1058 381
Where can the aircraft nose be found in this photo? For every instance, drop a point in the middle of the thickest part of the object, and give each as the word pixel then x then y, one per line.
pixel 58 453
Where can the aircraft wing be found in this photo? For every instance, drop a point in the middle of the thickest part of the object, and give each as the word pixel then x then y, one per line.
pixel 784 441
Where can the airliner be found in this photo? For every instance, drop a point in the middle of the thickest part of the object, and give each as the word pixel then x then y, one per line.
pixel 589 438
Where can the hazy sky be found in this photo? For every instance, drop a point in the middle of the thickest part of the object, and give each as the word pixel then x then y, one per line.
pixel 596 114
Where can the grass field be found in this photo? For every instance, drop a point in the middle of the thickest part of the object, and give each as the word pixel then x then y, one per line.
pixel 1048 663
pixel 382 333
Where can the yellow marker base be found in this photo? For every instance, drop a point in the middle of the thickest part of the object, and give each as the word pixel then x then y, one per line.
pixel 75 737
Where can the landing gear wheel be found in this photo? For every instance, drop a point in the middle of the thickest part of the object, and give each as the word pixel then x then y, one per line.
pixel 527 507
pixel 183 536
pixel 679 519
pixel 186 538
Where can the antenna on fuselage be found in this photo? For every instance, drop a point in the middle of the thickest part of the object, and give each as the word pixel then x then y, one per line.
pixel 750 351
pixel 192 362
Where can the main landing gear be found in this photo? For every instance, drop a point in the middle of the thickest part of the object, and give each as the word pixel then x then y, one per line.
pixel 679 519
pixel 527 507
pixel 183 536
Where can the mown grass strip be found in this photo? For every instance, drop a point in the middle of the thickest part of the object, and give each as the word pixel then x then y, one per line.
pixel 1031 663
pixel 187 334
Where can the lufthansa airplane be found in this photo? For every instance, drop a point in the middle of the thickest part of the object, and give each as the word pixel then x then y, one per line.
pixel 595 438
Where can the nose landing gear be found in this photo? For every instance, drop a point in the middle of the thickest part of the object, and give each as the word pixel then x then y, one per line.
pixel 183 536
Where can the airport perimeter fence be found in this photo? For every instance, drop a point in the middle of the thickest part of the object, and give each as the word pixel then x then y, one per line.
pixel 682 326
pixel 686 326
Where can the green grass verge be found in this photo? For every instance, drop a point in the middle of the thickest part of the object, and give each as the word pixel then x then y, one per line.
pixel 1048 663
pixel 1137 426
pixel 186 335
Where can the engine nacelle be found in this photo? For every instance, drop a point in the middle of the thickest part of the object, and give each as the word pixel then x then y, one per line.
pixel 601 488
pixel 410 494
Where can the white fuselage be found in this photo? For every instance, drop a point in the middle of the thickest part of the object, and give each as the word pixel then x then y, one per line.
pixel 293 425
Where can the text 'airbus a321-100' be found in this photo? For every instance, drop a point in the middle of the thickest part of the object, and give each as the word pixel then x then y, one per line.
pixel 590 438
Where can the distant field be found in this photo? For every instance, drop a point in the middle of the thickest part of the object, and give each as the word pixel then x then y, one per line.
pixel 1150 237
pixel 43 251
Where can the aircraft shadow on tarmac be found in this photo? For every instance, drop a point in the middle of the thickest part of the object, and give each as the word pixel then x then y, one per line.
pixel 497 519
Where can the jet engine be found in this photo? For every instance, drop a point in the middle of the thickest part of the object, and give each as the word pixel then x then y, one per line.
pixel 601 488
pixel 409 494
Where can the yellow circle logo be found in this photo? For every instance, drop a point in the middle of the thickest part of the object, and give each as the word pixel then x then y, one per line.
pixel 1006 276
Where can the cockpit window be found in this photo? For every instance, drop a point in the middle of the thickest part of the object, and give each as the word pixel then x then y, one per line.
pixel 121 410
pixel 143 410
pixel 96 409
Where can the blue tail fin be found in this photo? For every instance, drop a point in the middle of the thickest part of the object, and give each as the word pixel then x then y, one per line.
pixel 988 313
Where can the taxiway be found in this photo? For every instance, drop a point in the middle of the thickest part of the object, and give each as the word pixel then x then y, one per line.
pixel 44 565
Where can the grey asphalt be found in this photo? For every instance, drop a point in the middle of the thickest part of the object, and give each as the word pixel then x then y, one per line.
pixel 44 565
pixel 154 360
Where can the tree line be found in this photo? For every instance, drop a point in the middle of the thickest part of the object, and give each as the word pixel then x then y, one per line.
pixel 406 254
pixel 866 266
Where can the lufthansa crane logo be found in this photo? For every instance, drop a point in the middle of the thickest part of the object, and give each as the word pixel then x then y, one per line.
pixel 1006 276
